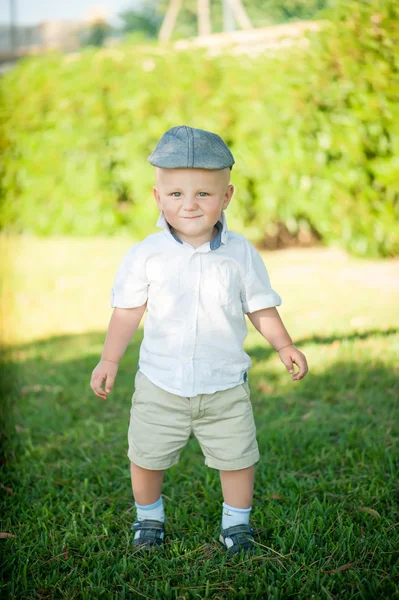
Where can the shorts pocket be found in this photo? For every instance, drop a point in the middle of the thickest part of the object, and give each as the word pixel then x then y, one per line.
pixel 138 382
pixel 247 392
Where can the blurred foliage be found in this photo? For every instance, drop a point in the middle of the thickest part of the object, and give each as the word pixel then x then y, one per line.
pixel 265 12
pixel 96 34
pixel 314 132
pixel 147 15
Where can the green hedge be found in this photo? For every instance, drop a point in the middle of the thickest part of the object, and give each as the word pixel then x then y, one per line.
pixel 314 131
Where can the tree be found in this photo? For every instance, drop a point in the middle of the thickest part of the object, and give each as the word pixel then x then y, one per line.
pixel 265 12
pixel 96 33
pixel 146 17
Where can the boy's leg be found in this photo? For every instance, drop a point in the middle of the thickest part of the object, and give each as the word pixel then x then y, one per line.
pixel 227 435
pixel 238 487
pixel 146 484
pixel 146 487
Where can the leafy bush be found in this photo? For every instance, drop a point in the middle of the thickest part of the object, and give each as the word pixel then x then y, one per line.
pixel 314 131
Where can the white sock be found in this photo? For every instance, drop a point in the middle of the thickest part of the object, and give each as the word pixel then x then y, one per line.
pixel 234 516
pixel 150 511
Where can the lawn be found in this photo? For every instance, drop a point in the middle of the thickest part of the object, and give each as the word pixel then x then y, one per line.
pixel 326 492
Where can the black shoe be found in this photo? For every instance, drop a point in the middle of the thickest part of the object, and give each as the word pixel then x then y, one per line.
pixel 241 536
pixel 152 533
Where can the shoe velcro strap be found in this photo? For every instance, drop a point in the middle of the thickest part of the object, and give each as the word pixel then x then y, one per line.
pixel 237 529
pixel 148 525
pixel 240 540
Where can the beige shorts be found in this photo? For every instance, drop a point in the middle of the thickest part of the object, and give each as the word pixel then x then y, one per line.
pixel 161 424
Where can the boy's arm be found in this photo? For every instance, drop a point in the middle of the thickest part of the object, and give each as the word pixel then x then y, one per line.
pixel 122 327
pixel 268 322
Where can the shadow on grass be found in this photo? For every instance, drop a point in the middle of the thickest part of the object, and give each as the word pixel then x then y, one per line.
pixel 325 491
pixel 44 348
pixel 60 367
pixel 46 392
pixel 260 352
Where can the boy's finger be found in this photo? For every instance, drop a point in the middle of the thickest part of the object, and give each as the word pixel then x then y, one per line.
pixel 96 383
pixel 288 364
pixel 302 366
pixel 109 383
pixel 98 378
pixel 98 391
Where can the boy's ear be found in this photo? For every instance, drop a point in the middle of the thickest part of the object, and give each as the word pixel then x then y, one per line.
pixel 156 196
pixel 228 195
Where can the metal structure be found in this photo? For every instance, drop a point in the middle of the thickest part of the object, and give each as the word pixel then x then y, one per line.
pixel 232 10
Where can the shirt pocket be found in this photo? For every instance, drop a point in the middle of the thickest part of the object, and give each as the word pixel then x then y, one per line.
pixel 163 277
pixel 220 284
pixel 164 287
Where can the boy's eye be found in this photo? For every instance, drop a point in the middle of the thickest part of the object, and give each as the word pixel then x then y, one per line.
pixel 202 194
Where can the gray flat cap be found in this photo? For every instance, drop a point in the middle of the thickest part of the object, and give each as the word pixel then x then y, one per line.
pixel 185 147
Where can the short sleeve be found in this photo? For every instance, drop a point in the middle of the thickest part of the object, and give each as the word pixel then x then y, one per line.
pixel 130 287
pixel 257 292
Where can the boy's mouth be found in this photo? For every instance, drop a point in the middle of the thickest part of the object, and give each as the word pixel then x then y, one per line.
pixel 197 217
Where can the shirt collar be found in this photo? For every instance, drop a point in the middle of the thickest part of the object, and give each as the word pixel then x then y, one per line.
pixel 221 225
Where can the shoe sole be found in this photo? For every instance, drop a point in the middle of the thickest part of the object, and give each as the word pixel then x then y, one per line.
pixel 147 547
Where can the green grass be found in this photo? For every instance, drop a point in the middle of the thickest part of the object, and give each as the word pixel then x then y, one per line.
pixel 326 489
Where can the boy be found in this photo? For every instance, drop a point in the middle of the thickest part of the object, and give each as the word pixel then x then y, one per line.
pixel 197 280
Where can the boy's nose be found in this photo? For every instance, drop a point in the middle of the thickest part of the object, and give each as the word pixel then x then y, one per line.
pixel 190 203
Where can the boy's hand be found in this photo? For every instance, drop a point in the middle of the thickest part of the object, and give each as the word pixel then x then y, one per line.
pixel 290 355
pixel 104 371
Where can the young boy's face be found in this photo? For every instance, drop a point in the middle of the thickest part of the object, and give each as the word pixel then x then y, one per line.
pixel 192 200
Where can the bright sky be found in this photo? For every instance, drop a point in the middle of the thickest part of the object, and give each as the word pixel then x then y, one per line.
pixel 33 11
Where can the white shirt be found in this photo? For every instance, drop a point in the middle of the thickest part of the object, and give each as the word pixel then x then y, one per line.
pixel 197 298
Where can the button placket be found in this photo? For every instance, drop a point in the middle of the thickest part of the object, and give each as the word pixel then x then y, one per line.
pixel 189 335
pixel 190 331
